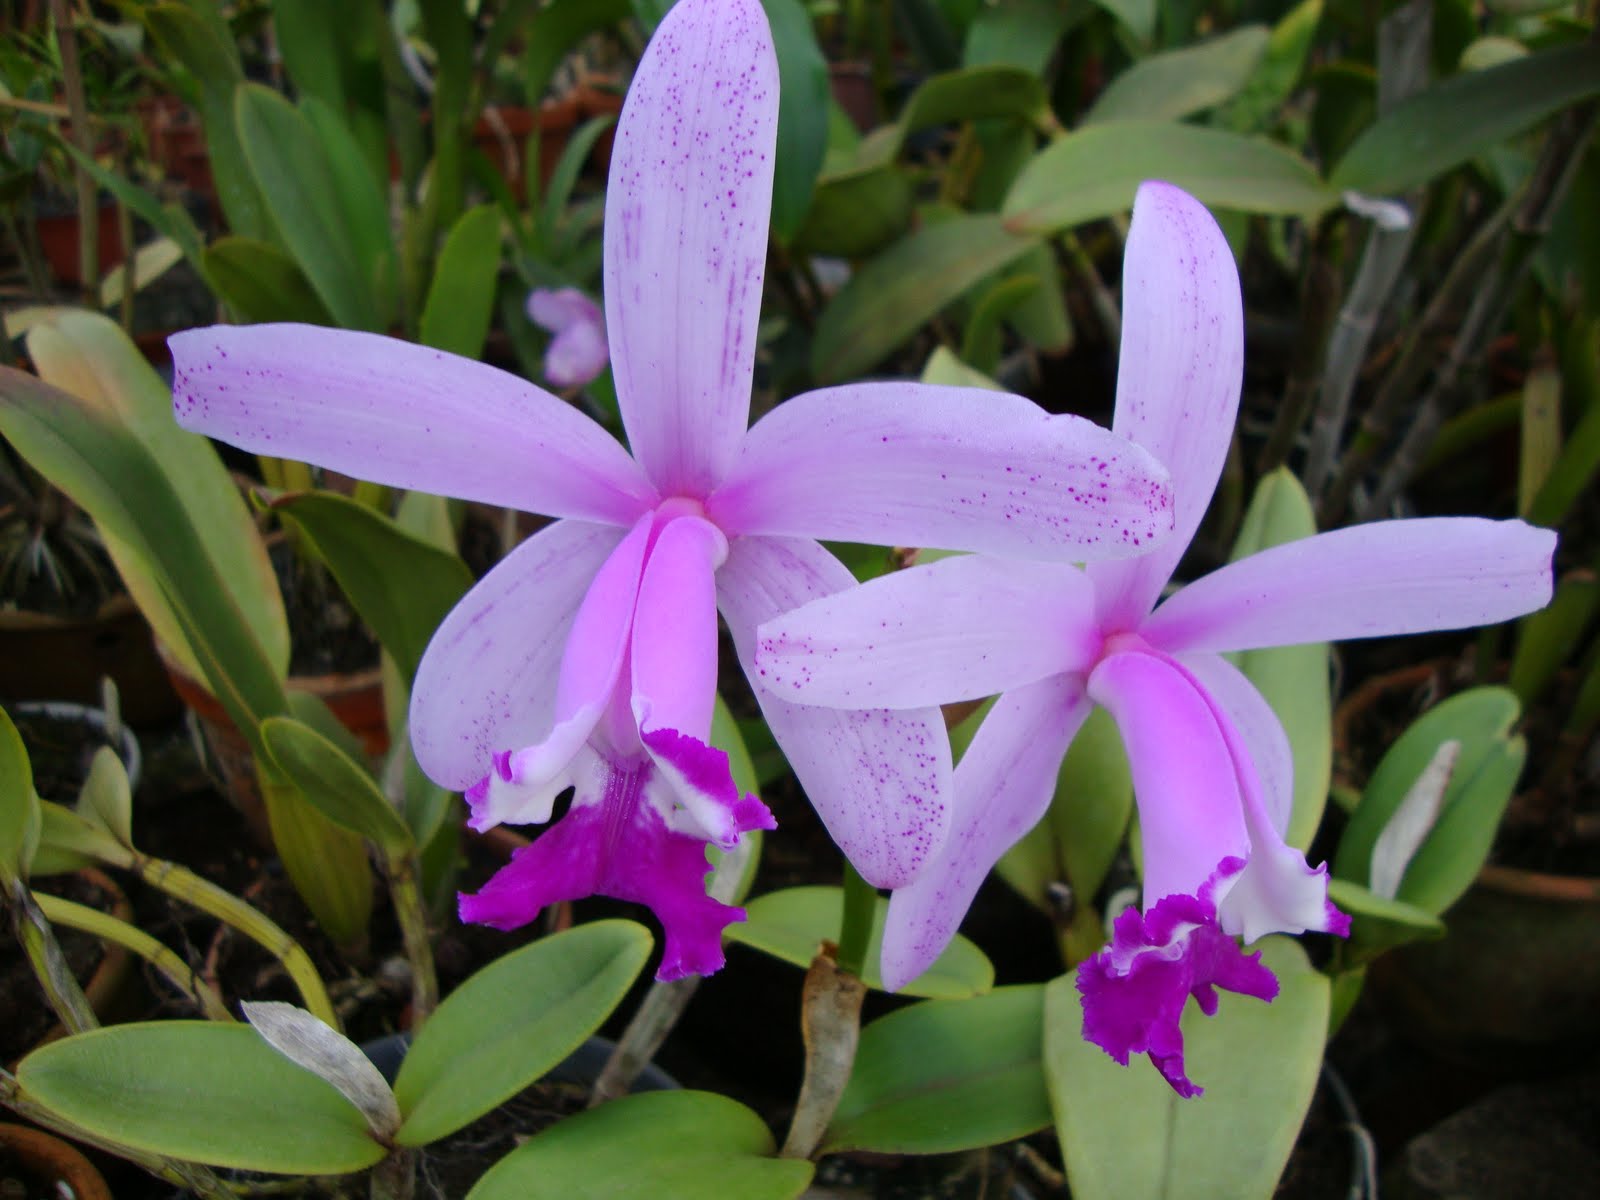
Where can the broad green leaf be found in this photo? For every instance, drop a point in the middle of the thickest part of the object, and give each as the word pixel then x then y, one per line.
pixel 1259 102
pixel 793 923
pixel 892 296
pixel 1126 1135
pixel 511 1022
pixel 1139 16
pixel 118 396
pixel 312 39
pixel 1490 761
pixel 1093 172
pixel 91 455
pixel 363 198
pixel 1177 83
pixel 947 1075
pixel 302 187
pixel 19 806
pixel 106 799
pixel 310 1043
pixel 967 94
pixel 200 1090
pixel 327 864
pixel 197 37
pixel 261 283
pixel 1449 123
pixel 401 585
pixel 334 783
pixel 802 114
pixel 857 212
pixel 1078 839
pixel 461 298
pixel 678 1146
pixel 1022 33
pixel 944 367
pixel 68 841
pixel 1293 679
pixel 1378 923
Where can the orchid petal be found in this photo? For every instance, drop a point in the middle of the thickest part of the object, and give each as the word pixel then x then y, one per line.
pixel 701 780
pixel 958 468
pixel 406 415
pixel 879 779
pixel 1390 577
pixel 1134 991
pixel 957 629
pixel 489 677
pixel 576 355
pixel 1003 786
pixel 614 841
pixel 686 238
pixel 1259 729
pixel 1178 375
pixel 1184 779
pixel 675 630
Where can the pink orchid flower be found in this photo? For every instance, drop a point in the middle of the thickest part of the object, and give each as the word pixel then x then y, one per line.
pixel 577 352
pixel 588 657
pixel 1211 764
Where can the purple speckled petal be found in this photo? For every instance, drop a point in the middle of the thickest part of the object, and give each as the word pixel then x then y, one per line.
pixel 1390 577
pixel 523 786
pixel 488 679
pixel 1184 779
pixel 1135 989
pixel 386 410
pixel 615 841
pixel 879 779
pixel 957 629
pixel 911 464
pixel 1265 742
pixel 1003 785
pixel 686 238
pixel 1178 376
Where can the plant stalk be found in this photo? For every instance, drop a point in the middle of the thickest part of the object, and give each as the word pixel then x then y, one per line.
pixel 830 1021
pixel 412 916
pixel 855 924
pixel 77 106
pixel 50 966
pixel 659 1012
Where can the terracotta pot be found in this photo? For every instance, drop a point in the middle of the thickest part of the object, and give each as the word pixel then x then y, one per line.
pixel 355 698
pixel 58 238
pixel 56 1167
pixel 60 658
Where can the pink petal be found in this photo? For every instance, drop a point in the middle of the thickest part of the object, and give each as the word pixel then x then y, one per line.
pixel 957 629
pixel 1184 779
pixel 1178 375
pixel 686 238
pixel 959 468
pixel 1391 577
pixel 1134 991
pixel 614 841
pixel 488 679
pixel 1259 729
pixel 555 309
pixel 1003 786
pixel 578 352
pixel 675 630
pixel 700 779
pixel 396 413
pixel 879 779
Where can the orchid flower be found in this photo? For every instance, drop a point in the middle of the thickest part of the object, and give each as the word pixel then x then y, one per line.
pixel 1211 764
pixel 577 352
pixel 588 657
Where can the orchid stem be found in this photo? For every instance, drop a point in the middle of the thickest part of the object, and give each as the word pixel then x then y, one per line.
pixel 830 1021
pixel 855 925
pixel 662 1007
pixel 50 967
pixel 412 916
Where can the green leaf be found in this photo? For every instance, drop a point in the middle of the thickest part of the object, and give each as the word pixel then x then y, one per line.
pixel 198 38
pixel 857 212
pixel 461 298
pixel 1258 103
pixel 106 799
pixel 679 1146
pixel 1139 16
pixel 1022 33
pixel 311 37
pixel 1125 1135
pixel 363 199
pixel 1379 923
pixel 313 217
pixel 554 29
pixel 945 368
pixel 947 1075
pixel 340 788
pixel 327 863
pixel 891 297
pixel 1177 83
pixel 260 282
pixel 118 396
pixel 1292 679
pixel 802 114
pixel 167 219
pixel 1548 639
pixel 793 923
pixel 19 806
pixel 1444 126
pixel 1093 172
pixel 401 585
pixel 200 1090
pixel 511 1022
pixel 1454 851
pixel 69 842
